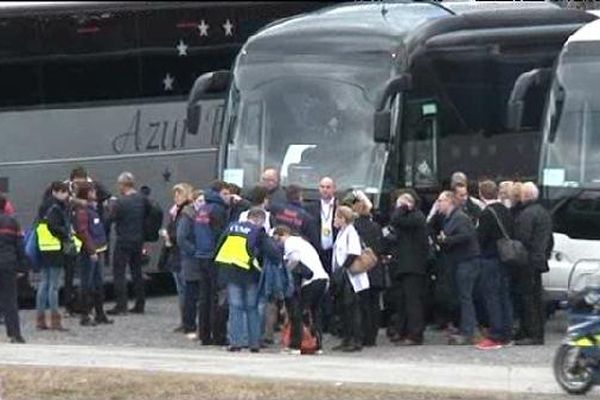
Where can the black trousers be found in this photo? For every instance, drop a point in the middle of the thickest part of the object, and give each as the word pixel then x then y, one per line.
pixel 371 315
pixel 72 305
pixel 410 321
pixel 128 254
pixel 207 300
pixel 327 305
pixel 352 305
pixel 305 308
pixel 532 314
pixel 8 302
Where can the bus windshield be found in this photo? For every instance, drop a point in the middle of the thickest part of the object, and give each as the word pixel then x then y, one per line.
pixel 572 126
pixel 308 125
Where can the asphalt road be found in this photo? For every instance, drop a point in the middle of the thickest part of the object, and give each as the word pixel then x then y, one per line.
pixel 147 343
pixel 155 330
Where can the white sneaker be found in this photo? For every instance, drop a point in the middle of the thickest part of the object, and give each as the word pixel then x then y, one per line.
pixel 293 352
pixel 192 336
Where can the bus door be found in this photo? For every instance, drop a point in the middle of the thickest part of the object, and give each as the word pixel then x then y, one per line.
pixel 420 138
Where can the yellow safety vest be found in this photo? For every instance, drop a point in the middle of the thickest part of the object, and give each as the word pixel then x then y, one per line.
pixel 48 242
pixel 234 251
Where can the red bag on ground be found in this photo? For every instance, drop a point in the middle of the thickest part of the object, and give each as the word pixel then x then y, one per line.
pixel 309 341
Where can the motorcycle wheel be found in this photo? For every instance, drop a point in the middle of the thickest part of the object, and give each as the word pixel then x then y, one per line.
pixel 570 375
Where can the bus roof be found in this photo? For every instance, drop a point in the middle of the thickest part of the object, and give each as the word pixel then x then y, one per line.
pixel 388 26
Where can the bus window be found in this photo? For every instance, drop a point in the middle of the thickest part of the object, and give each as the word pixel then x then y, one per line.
pixel 420 139
pixel 172 45
pixel 90 57
pixel 19 73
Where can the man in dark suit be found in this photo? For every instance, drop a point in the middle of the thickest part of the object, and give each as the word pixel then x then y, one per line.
pixel 323 212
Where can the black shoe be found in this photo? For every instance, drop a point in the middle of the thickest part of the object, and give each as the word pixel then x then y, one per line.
pixel 116 311
pixel 17 340
pixel 341 346
pixel 207 342
pixel 179 329
pixel 409 342
pixel 137 310
pixel 529 342
pixel 102 320
pixel 254 350
pixel 87 322
pixel 352 348
pixel 234 349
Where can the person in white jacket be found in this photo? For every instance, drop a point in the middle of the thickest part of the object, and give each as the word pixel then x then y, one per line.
pixel 346 249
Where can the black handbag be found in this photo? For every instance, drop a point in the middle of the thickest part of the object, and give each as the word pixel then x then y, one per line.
pixel 512 252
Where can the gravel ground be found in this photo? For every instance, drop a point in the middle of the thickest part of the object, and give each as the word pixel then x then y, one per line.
pixel 155 329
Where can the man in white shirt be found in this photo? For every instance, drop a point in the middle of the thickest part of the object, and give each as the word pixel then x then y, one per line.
pixel 312 282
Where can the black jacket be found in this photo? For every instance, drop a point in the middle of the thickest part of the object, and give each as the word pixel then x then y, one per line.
pixel 489 231
pixel 370 233
pixel 12 252
pixel 59 217
pixel 314 209
pixel 461 242
pixel 472 210
pixel 128 213
pixel 409 245
pixel 533 227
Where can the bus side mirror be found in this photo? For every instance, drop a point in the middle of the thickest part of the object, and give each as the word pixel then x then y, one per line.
pixel 382 119
pixel 392 87
pixel 382 126
pixel 212 85
pixel 516 102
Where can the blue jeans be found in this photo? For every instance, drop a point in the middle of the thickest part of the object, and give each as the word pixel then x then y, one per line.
pixel 180 286
pixel 496 283
pixel 91 274
pixel 190 308
pixel 243 299
pixel 466 277
pixel 47 294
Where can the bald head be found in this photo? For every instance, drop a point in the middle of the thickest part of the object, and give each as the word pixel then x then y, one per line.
pixel 327 188
pixel 270 179
pixel 530 192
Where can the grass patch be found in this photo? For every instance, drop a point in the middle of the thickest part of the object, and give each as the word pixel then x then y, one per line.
pixel 33 383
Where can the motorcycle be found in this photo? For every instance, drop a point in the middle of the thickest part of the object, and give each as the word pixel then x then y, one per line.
pixel 577 360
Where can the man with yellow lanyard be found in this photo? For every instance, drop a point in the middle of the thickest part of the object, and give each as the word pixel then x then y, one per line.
pixel 239 255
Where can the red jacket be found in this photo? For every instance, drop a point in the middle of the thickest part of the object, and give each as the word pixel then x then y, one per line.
pixel 82 228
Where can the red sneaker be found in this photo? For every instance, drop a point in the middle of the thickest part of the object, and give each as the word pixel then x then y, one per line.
pixel 489 344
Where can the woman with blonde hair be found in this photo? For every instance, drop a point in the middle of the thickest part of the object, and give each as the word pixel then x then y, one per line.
pixel 373 238
pixel 349 287
pixel 182 196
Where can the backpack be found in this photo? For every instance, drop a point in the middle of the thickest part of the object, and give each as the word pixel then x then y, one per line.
pixel 32 250
pixel 153 219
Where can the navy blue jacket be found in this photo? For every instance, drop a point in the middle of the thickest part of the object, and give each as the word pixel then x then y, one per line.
pixel 461 243
pixel 298 220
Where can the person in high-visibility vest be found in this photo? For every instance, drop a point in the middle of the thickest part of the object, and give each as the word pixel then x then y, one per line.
pixel 55 237
pixel 242 248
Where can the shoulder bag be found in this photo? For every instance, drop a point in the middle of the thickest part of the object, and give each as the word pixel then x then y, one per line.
pixel 366 261
pixel 512 252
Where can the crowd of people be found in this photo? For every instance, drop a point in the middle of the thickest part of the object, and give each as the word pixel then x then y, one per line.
pixel 246 266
